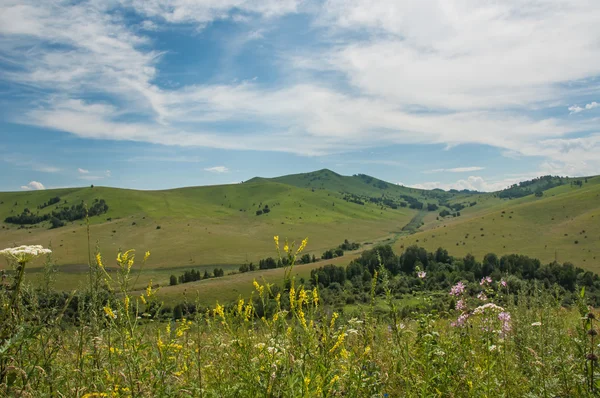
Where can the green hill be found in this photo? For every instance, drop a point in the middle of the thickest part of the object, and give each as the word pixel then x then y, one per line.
pixel 222 226
pixel 564 223
pixel 197 227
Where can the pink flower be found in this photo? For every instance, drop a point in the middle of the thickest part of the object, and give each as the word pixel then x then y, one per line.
pixel 461 321
pixel 457 289
pixel 481 296
pixel 461 305
pixel 485 281
pixel 503 283
pixel 421 274
pixel 504 317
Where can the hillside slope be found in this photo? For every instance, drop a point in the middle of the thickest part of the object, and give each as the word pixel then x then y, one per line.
pixel 199 226
pixel 564 224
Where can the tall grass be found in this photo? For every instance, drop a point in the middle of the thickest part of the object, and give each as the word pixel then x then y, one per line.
pixel 282 342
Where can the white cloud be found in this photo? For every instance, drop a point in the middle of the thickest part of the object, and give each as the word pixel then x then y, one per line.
pixel 85 175
pixel 456 170
pixel 424 71
pixel 217 169
pixel 587 107
pixel 33 186
pixel 473 183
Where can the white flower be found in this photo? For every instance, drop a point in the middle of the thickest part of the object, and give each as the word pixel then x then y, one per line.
pixel 489 306
pixel 24 254
pixel 421 274
pixel 260 346
pixel 536 324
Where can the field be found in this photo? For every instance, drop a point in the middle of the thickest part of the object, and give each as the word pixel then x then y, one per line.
pixel 564 225
pixel 204 228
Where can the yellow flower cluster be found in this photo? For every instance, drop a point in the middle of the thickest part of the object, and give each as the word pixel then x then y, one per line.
pixel 110 313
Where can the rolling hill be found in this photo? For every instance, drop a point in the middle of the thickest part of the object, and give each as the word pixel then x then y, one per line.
pixel 221 226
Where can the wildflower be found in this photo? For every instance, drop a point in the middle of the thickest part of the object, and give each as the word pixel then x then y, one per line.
pixel 24 254
pixel 286 247
pixel 302 245
pixel 340 340
pixel 421 274
pixel 292 297
pixel 219 310
pixel 315 297
pixel 276 239
pixel 485 281
pixel 334 316
pixel 481 296
pixel 461 305
pixel 489 306
pixel 126 300
pixel 461 321
pixel 536 324
pixel 149 291
pixel 492 347
pixel 240 306
pixel 504 317
pixel 146 255
pixel 143 299
pixel 503 283
pixel 99 260
pixel 110 313
pixel 457 289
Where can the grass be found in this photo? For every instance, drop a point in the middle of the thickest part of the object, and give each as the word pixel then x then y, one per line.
pixel 545 228
pixel 520 344
pixel 216 226
pixel 199 227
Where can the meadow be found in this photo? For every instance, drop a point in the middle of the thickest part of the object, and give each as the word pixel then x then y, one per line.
pixel 283 340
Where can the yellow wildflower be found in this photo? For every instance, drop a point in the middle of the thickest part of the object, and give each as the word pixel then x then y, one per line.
pixel 286 246
pixel 143 299
pixel 334 316
pixel 315 297
pixel 109 312
pixel 292 297
pixel 240 306
pixel 276 239
pixel 302 297
pixel 334 379
pixel 149 289
pixel 219 310
pixel 340 340
pixel 367 350
pixel 302 245
pixel 99 260
pixel 146 255
pixel 126 303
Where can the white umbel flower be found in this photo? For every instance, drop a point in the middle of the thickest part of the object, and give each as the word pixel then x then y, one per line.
pixel 24 254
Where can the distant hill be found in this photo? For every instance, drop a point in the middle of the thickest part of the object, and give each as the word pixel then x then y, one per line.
pixel 227 225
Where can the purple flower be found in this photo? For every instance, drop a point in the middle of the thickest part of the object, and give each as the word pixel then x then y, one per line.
pixel 504 317
pixel 461 305
pixel 461 321
pixel 457 289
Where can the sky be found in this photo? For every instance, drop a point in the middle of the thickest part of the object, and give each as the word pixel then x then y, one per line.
pixel 157 94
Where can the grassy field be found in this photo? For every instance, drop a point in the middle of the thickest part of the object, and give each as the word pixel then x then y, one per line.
pixel 563 224
pixel 216 226
pixel 200 227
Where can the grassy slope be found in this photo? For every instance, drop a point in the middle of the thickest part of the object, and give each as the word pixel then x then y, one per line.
pixel 205 227
pixel 538 227
pixel 201 226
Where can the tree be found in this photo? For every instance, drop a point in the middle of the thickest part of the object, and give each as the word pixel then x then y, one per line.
pixel 172 280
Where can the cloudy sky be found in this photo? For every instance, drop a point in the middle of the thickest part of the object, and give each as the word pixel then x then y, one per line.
pixel 156 94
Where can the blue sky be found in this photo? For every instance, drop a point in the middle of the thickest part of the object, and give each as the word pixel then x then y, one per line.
pixel 154 94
